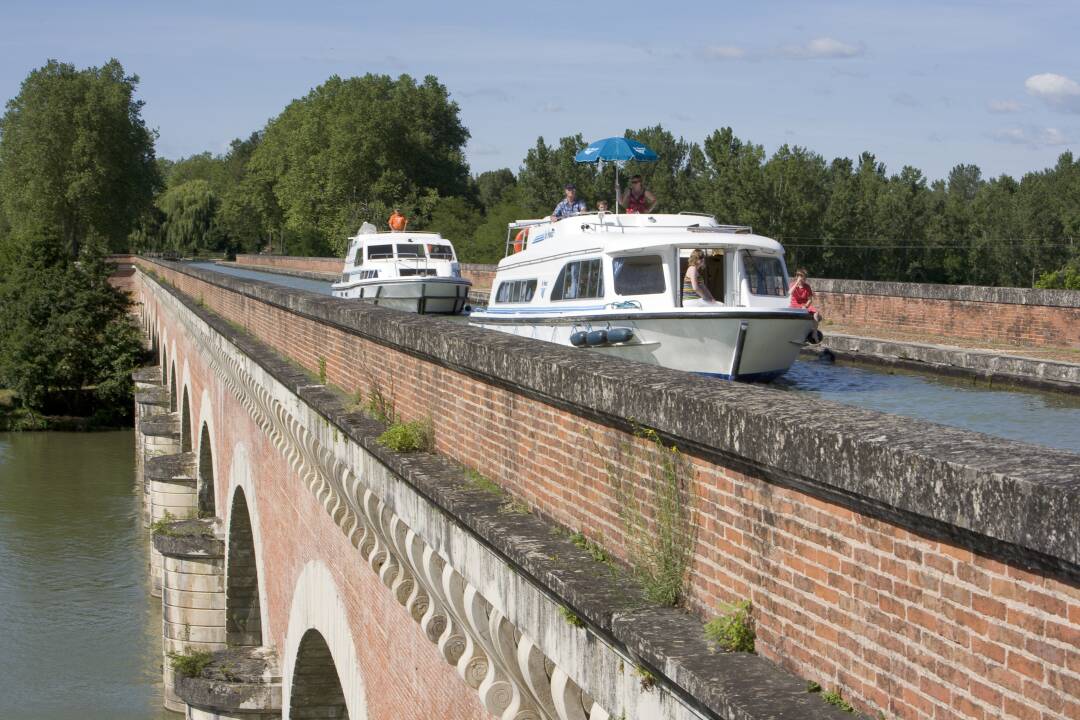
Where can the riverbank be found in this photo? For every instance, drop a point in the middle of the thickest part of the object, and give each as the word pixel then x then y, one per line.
pixel 16 418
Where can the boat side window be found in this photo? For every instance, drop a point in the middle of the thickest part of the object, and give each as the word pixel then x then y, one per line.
pixel 765 274
pixel 581 279
pixel 358 259
pixel 380 252
pixel 410 251
pixel 638 275
pixel 440 252
pixel 515 291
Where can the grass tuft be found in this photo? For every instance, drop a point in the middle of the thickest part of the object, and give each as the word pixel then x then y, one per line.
pixel 834 697
pixel 415 436
pixel 190 663
pixel 734 630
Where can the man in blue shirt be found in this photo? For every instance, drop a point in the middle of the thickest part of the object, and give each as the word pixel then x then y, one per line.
pixel 569 205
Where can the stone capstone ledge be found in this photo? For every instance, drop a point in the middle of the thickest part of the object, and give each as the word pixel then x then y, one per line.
pixel 530 550
pixel 166 425
pixel 1012 500
pixel 306 274
pixel 170 468
pixel 984 364
pixel 190 539
pixel 961 293
pixel 149 375
pixel 158 396
pixel 244 679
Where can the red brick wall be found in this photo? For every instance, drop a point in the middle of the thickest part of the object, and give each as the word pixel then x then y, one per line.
pixel 1022 325
pixel 481 276
pixel 292 262
pixel 902 623
pixel 404 674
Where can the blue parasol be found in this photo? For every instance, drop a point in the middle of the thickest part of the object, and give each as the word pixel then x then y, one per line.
pixel 616 150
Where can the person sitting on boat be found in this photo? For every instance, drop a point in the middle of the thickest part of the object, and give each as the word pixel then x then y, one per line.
pixel 569 205
pixel 601 206
pixel 637 199
pixel 397 221
pixel 695 291
pixel 802 295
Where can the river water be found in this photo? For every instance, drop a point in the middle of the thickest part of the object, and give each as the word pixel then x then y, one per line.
pixel 80 636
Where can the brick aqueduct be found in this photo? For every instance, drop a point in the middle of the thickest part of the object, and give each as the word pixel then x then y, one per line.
pixel 921 571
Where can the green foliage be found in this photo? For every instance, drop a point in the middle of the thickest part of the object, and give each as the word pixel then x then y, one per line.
pixel 1068 278
pixel 493 185
pixel 76 158
pixel 455 219
pixel 380 406
pixel 190 663
pixel 645 677
pixel 661 533
pixel 161 525
pixel 189 210
pixel 734 630
pixel 322 370
pixel 571 617
pixel 596 551
pixel 482 483
pixel 415 436
pixel 813 687
pixel 834 697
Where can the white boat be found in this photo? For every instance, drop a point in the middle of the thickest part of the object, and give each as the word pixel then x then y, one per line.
pixel 412 271
pixel 613 284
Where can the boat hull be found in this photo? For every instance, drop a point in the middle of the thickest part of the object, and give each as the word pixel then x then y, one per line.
pixel 429 295
pixel 748 346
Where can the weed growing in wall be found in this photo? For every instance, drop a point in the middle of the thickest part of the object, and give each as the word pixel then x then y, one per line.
pixel 571 617
pixel 415 436
pixel 322 370
pixel 482 483
pixel 190 663
pixel 834 697
pixel 734 630
pixel 595 550
pixel 661 535
pixel 379 406
pixel 161 525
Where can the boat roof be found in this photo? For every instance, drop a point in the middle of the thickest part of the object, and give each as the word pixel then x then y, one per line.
pixel 610 233
pixel 403 236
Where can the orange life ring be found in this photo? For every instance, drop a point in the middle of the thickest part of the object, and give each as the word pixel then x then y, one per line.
pixel 520 238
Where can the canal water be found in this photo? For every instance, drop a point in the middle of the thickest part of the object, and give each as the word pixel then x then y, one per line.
pixel 1043 418
pixel 80 636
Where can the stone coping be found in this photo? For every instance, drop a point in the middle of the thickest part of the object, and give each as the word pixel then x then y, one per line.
pixel 190 539
pixel 163 425
pixel 153 396
pixel 172 468
pixel 274 270
pixel 148 374
pixel 950 360
pixel 1012 500
pixel 962 293
pixel 237 679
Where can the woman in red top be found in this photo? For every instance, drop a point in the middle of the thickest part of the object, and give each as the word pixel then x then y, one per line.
pixel 802 295
pixel 637 199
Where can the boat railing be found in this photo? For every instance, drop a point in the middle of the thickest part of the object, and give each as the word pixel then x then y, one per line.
pixel 730 229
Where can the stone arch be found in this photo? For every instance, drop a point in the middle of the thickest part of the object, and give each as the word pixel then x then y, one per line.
pixel 185 423
pixel 316 689
pixel 239 478
pixel 243 609
pixel 164 365
pixel 205 477
pixel 172 384
pixel 319 642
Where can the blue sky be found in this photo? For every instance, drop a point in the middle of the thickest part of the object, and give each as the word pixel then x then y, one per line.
pixel 930 84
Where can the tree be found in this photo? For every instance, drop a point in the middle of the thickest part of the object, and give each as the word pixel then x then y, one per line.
pixel 354 148
pixel 189 211
pixel 455 219
pixel 76 158
pixel 492 185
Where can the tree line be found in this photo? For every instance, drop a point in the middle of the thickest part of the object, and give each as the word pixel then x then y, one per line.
pixel 79 178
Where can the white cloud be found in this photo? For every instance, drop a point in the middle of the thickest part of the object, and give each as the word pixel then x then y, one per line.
pixel 1056 90
pixel 723 52
pixel 905 99
pixel 823 48
pixel 1004 106
pixel 1033 136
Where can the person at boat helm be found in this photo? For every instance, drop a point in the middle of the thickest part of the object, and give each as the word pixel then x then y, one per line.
pixel 569 205
pixel 695 291
pixel 397 221
pixel 637 199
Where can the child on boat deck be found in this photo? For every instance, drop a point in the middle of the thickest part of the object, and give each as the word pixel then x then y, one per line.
pixel 802 295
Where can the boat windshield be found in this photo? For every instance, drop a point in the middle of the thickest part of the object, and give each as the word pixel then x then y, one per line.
pixel 440 252
pixel 765 274
pixel 410 251
pixel 380 252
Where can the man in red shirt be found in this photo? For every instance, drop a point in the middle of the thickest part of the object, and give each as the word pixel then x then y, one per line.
pixel 802 295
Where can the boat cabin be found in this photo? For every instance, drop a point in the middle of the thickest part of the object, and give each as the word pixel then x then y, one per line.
pixel 399 255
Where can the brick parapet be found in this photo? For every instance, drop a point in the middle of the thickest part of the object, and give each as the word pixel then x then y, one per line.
pixel 293 262
pixel 851 531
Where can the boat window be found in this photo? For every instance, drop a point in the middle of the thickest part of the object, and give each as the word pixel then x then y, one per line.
pixel 410 251
pixel 413 272
pixel 377 252
pixel 440 252
pixel 638 275
pixel 515 291
pixel 765 274
pixel 581 279
pixel 358 259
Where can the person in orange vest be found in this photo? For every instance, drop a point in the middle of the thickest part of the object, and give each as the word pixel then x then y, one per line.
pixel 398 221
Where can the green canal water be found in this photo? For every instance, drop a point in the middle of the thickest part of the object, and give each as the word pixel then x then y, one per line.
pixel 80 636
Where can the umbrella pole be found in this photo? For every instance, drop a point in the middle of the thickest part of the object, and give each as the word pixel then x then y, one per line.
pixel 616 188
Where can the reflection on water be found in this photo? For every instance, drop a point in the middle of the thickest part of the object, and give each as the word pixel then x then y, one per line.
pixel 80 636
pixel 1044 418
